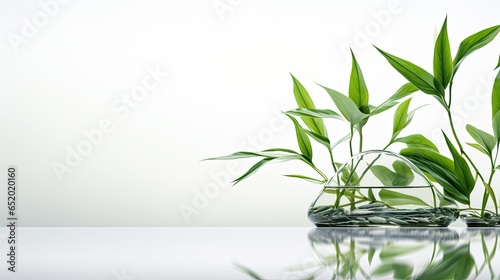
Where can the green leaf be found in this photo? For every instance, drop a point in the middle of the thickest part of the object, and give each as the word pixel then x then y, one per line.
pixel 358 92
pixel 479 148
pixel 420 78
pixel 304 100
pixel 237 155
pixel 252 274
pixel 498 65
pixel 402 92
pixel 309 179
pixel 315 113
pixel 319 138
pixel 395 250
pixel 393 198
pixel 371 253
pixel 452 262
pixel 346 107
pixel 473 43
pixel 441 169
pixel 302 139
pixel 252 170
pixel 341 140
pixel 462 170
pixel 400 117
pixel 443 65
pixel 399 270
pixel 495 96
pixel 486 140
pixel 496 126
pixel 404 172
pixel 491 193
pixel 402 271
pixel 402 177
pixel 417 141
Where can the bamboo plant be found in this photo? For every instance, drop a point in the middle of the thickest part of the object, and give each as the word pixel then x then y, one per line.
pixel 457 175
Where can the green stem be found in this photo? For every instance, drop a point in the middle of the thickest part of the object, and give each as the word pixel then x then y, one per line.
pixel 350 141
pixel 360 139
pixel 317 170
pixel 462 151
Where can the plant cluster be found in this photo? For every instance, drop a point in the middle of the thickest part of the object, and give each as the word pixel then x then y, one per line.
pixel 458 175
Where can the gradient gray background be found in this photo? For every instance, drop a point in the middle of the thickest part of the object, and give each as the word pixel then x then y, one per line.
pixel 228 80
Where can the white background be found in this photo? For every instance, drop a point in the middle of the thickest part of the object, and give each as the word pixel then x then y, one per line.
pixel 228 65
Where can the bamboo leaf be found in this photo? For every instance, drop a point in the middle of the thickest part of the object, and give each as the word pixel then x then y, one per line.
pixel 443 65
pixel 491 193
pixel 402 92
pixel 252 274
pixel 395 250
pixel 496 126
pixel 420 78
pixel 302 139
pixel 441 169
pixel 346 107
pixel 400 117
pixel 498 65
pixel 252 170
pixel 304 100
pixel 417 141
pixel 309 179
pixel 462 169
pixel 358 92
pixel 237 155
pixel 473 43
pixel 341 140
pixel 396 198
pixel 319 138
pixel 403 176
pixel 479 148
pixel 495 96
pixel 315 113
pixel 486 140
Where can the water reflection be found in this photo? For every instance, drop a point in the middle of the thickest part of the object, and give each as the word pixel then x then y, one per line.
pixel 399 253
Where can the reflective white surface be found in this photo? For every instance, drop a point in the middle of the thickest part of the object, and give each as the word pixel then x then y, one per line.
pixel 215 253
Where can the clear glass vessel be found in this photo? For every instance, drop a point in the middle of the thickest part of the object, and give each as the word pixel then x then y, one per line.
pixel 381 188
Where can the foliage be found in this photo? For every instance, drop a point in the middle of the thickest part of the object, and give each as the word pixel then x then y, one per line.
pixel 457 175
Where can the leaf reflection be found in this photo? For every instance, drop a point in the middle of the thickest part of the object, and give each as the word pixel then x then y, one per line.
pixel 399 253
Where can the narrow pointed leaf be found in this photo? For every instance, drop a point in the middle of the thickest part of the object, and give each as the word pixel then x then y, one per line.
pixel 400 117
pixel 402 92
pixel 495 96
pixel 420 78
pixel 496 126
pixel 252 170
pixel 479 148
pixel 309 179
pixel 498 65
pixel 491 193
pixel 304 100
pixel 319 138
pixel 302 139
pixel 443 65
pixel 346 107
pixel 473 43
pixel 396 198
pixel 237 155
pixel 486 140
pixel 341 140
pixel 358 92
pixel 315 113
pixel 417 141
pixel 441 169
pixel 462 169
